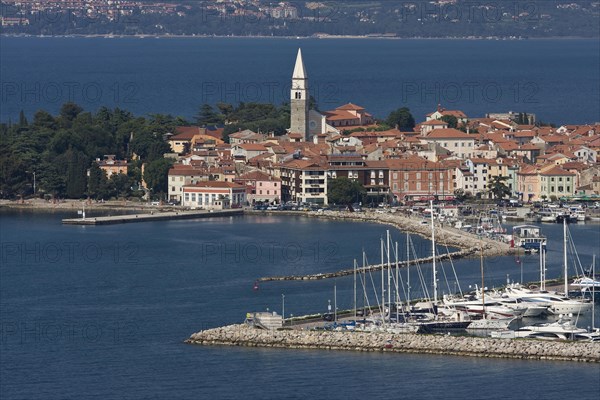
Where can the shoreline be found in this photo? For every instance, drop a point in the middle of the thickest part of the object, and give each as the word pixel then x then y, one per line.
pixel 316 37
pixel 523 349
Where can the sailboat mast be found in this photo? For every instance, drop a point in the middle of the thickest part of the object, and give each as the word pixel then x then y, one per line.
pixel 541 267
pixel 382 284
pixel 435 293
pixel 565 255
pixel 364 269
pixel 354 289
pixel 408 269
pixel 482 280
pixel 593 290
pixel 389 274
pixel 397 286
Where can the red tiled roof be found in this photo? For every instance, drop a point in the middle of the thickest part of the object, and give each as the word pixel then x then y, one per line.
pixel 448 133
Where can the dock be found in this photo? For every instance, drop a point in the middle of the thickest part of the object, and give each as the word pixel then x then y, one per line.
pixel 153 216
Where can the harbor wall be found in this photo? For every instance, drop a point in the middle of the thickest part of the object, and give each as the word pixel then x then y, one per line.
pixel 526 349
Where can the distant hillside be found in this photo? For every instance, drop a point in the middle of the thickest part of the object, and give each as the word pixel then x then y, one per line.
pixel 385 18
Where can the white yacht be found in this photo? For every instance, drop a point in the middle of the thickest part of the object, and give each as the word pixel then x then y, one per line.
pixel 556 303
pixel 563 329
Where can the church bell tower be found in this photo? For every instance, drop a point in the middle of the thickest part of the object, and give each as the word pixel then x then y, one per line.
pixel 299 99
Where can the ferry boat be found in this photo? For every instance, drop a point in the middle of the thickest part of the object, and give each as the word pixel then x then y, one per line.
pixel 528 237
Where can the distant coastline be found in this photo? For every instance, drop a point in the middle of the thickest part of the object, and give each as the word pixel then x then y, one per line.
pixel 316 37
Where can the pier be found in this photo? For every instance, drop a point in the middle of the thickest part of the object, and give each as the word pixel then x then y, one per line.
pixel 525 349
pixel 474 251
pixel 153 216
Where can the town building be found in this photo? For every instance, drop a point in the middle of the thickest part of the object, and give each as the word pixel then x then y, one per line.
pixel 212 195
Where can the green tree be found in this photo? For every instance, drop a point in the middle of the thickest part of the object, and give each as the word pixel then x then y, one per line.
pixel 156 175
pixel 207 116
pixel 22 119
pixel 75 174
pixel 498 187
pixel 70 110
pixel 451 120
pixel 401 118
pixel 344 191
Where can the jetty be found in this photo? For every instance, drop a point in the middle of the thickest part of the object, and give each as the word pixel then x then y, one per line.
pixel 469 245
pixel 525 349
pixel 152 216
pixel 474 251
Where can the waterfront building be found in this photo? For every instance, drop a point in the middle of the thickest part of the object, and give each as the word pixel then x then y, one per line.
pixel 260 187
pixel 213 195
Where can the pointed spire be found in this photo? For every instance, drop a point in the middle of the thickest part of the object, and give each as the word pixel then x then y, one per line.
pixel 299 71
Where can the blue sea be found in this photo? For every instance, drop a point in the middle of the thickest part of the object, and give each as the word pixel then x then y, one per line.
pixel 555 79
pixel 101 313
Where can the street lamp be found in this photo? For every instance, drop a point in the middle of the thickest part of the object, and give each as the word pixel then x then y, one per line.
pixel 283 306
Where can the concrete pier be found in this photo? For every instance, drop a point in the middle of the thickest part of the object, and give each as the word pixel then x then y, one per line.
pixel 527 349
pixel 155 216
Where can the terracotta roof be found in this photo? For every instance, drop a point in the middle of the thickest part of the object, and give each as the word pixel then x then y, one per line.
pixel 258 176
pixel 448 133
pixel 556 171
pixel 350 106
pixel 434 122
pixel 252 146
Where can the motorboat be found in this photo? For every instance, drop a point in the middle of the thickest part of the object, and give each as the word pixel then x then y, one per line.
pixel 563 329
pixel 556 303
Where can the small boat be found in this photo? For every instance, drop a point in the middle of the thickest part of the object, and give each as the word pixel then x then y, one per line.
pixel 528 237
pixel 547 215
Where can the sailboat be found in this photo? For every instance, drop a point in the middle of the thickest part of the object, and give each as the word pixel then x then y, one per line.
pixel 444 318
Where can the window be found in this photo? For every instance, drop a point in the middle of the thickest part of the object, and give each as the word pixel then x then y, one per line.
pixel 193 196
pixel 268 192
pixel 395 186
pixel 395 175
pixel 259 183
pixel 187 197
pixel 172 188
pixel 260 192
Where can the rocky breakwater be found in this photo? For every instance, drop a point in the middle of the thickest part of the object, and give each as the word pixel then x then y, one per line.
pixel 446 236
pixel 244 335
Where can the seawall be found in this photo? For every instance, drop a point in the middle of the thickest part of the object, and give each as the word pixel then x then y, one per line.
pixel 526 349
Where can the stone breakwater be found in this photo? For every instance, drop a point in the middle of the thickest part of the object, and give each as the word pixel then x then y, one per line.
pixel 528 349
pixel 445 235
pixel 470 245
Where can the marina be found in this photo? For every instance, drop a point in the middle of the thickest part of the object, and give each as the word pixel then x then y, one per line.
pixel 468 321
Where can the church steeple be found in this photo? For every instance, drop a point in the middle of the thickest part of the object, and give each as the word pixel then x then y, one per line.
pixel 299 99
pixel 299 70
